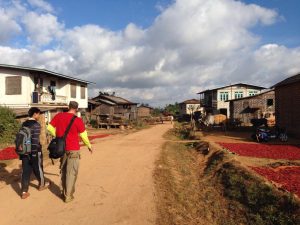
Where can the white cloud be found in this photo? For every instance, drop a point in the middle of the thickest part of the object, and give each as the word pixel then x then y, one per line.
pixel 192 45
pixel 8 26
pixel 42 28
pixel 42 5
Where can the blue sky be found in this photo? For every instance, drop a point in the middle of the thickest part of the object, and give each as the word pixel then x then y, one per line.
pixel 286 31
pixel 112 14
pixel 155 51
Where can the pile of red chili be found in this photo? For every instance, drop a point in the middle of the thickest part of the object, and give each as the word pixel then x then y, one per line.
pixel 264 150
pixel 8 153
pixel 287 177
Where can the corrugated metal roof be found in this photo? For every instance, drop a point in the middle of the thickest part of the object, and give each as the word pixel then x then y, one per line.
pixel 106 102
pixel 44 71
pixel 290 80
pixel 20 112
pixel 113 99
pixel 145 106
pixel 191 101
pixel 237 84
pixel 93 102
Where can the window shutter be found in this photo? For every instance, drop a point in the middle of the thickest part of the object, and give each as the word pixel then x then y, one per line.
pixel 73 90
pixel 82 91
pixel 13 85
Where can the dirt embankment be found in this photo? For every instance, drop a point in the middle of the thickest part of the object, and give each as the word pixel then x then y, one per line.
pixel 195 186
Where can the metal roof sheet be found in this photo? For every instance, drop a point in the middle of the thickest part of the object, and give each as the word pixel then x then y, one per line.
pixel 231 85
pixel 44 71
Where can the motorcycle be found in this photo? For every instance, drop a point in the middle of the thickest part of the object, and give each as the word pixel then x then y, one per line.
pixel 266 134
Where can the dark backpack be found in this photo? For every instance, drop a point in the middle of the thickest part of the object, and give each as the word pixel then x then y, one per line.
pixel 57 146
pixel 23 141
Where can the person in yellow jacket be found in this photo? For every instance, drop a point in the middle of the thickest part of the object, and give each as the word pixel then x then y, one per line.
pixel 70 161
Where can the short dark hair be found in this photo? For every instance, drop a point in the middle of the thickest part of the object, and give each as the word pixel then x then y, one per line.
pixel 33 110
pixel 73 105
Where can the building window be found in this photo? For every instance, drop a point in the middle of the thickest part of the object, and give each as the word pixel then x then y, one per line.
pixel 13 85
pixel 73 90
pixel 82 92
pixel 252 93
pixel 238 94
pixel 270 102
pixel 224 96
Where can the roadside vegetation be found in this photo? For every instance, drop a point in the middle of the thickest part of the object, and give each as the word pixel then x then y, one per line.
pixel 8 126
pixel 181 131
pixel 197 186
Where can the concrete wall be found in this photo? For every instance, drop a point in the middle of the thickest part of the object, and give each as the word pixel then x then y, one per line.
pixel 83 103
pixel 16 101
pixel 143 111
pixel 184 109
pixel 221 104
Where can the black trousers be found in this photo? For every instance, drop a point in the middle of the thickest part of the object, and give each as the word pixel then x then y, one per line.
pixel 32 163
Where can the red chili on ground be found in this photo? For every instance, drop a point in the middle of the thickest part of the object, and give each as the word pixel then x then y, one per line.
pixel 8 154
pixel 287 177
pixel 264 150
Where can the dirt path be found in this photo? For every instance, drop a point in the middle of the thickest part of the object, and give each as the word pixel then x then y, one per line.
pixel 115 186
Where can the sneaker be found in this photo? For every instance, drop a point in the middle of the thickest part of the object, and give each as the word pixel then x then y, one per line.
pixel 69 199
pixel 25 195
pixel 44 187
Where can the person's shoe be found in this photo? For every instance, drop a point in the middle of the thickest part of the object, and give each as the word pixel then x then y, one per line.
pixel 25 195
pixel 69 199
pixel 44 187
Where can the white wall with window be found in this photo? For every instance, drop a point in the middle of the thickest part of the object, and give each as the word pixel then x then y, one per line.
pixel 79 93
pixel 223 95
pixel 233 92
pixel 21 89
pixel 15 88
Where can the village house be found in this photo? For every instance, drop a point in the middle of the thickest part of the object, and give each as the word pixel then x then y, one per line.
pixel 25 87
pixel 287 108
pixel 215 101
pixel 254 107
pixel 189 107
pixel 116 106
pixel 144 111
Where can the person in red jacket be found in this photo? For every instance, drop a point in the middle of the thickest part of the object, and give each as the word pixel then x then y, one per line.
pixel 70 161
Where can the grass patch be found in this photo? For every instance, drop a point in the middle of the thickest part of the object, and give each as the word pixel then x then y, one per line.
pixel 181 131
pixel 184 196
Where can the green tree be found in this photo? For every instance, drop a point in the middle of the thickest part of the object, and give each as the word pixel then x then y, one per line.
pixel 172 108
pixel 8 125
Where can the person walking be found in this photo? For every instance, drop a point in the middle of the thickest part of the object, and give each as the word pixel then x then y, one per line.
pixel 171 119
pixel 70 161
pixel 33 162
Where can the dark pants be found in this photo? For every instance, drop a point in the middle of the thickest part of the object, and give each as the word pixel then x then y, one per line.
pixel 32 163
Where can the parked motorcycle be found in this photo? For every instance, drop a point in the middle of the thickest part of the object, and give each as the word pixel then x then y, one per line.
pixel 266 134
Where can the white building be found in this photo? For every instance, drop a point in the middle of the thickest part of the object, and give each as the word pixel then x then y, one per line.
pixel 24 87
pixel 216 100
pixel 189 107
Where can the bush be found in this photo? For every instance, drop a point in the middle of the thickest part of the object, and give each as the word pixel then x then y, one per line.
pixel 138 124
pixel 9 126
pixel 93 123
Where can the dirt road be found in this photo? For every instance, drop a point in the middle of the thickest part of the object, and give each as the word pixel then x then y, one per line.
pixel 115 186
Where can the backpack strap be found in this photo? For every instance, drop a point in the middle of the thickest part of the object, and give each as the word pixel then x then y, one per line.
pixel 69 127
